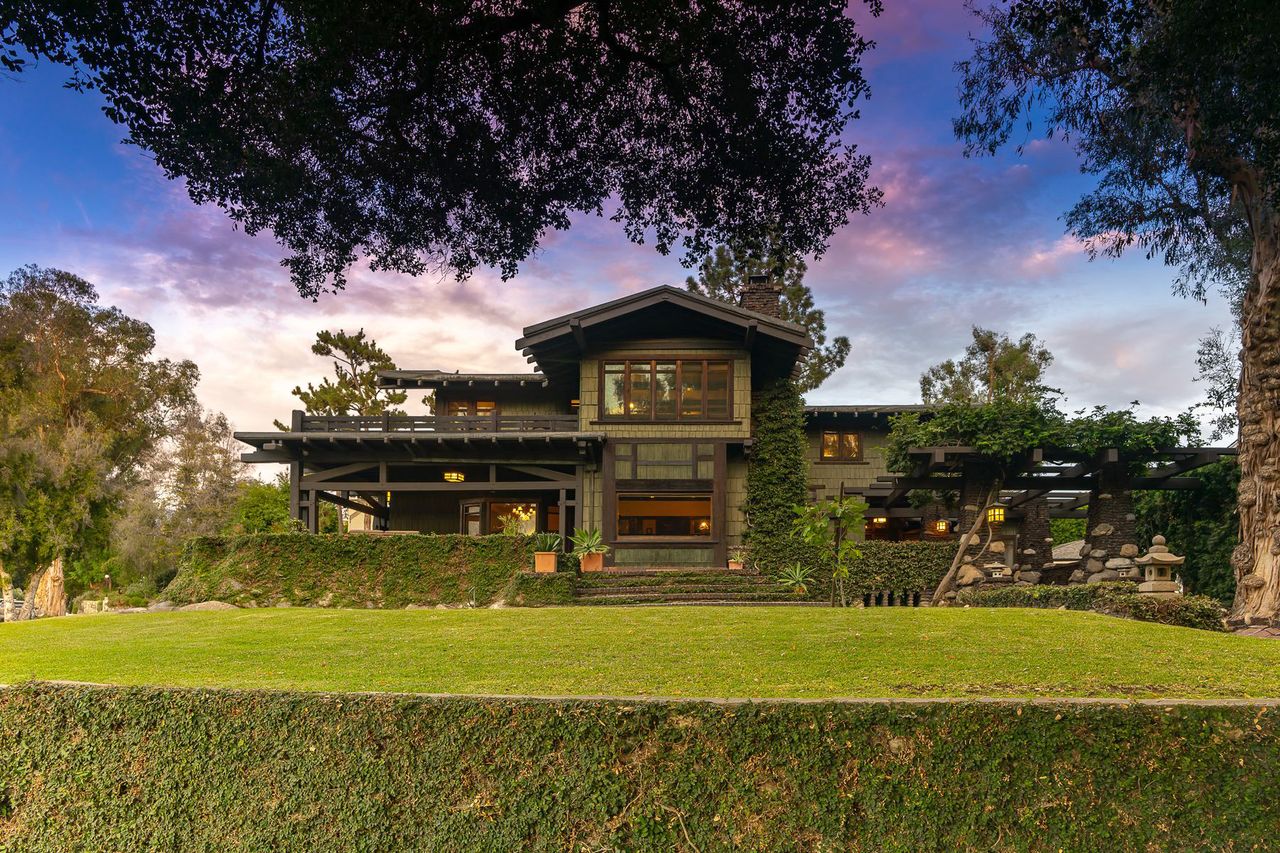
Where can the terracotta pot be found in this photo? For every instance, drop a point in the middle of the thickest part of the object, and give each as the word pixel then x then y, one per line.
pixel 544 561
pixel 591 562
pixel 735 565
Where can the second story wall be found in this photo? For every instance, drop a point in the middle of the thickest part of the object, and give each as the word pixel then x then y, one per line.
pixel 601 363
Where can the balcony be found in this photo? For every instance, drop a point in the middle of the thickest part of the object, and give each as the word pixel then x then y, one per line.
pixel 432 423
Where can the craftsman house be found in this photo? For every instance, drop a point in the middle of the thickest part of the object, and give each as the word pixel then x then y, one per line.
pixel 636 421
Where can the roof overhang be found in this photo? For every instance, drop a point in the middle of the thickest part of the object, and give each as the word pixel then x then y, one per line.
pixel 437 379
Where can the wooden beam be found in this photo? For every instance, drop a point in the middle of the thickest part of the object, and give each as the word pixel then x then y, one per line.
pixel 539 471
pixel 375 511
pixel 420 486
pixel 333 473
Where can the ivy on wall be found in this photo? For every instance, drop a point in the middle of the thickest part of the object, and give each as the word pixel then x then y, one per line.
pixel 356 570
pixel 290 772
pixel 777 477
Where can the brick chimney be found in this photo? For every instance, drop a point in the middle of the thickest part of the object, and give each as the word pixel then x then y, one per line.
pixel 762 296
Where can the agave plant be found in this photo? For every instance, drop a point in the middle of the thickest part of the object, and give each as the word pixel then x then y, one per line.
pixel 796 578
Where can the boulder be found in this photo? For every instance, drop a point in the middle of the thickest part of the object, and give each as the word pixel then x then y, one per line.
pixel 968 575
pixel 1093 566
pixel 1029 577
pixel 207 605
pixel 1103 529
pixel 1078 576
pixel 1098 554
pixel 1128 549
pixel 161 607
pixel 1118 563
pixel 997 547
pixel 1104 575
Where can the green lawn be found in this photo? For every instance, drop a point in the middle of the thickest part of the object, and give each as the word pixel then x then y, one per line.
pixel 696 651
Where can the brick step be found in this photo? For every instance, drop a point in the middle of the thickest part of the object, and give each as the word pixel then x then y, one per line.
pixel 666 571
pixel 704 603
pixel 650 580
pixel 629 597
pixel 583 592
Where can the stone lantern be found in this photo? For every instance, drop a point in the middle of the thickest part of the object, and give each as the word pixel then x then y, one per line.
pixel 1157 566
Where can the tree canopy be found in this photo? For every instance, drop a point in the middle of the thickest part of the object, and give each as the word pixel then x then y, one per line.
pixel 724 273
pixel 1175 106
pixel 993 369
pixel 354 389
pixel 456 134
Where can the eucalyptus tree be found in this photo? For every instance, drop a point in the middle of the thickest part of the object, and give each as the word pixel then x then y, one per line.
pixel 455 134
pixel 1175 106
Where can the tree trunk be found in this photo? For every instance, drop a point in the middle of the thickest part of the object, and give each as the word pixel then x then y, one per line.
pixel 978 492
pixel 6 591
pixel 1256 559
pixel 28 610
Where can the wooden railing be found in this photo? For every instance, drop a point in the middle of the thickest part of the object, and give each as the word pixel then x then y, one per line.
pixel 435 423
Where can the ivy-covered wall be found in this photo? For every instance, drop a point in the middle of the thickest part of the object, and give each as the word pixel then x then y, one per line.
pixel 355 570
pixel 777 477
pixel 156 769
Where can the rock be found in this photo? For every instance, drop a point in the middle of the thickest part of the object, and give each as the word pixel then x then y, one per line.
pixel 998 580
pixel 1103 529
pixel 1028 552
pixel 1119 563
pixel 130 610
pixel 1029 577
pixel 1105 497
pixel 418 607
pixel 968 575
pixel 207 605
pixel 1084 549
pixel 1098 554
pixel 1128 549
pixel 1078 576
pixel 997 547
pixel 161 607
pixel 1104 575
pixel 1021 582
pixel 1094 566
pixel 1128 516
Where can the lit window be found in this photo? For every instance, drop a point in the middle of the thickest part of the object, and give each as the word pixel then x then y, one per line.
pixel 668 516
pixel 470 408
pixel 841 446
pixel 679 389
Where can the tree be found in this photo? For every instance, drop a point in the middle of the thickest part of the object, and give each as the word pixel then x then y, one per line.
pixel 1175 105
pixel 458 133
pixel 356 363
pixel 1200 524
pixel 723 274
pixel 1218 367
pixel 83 404
pixel 993 369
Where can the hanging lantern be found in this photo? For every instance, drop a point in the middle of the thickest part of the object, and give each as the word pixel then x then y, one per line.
pixel 454 477
pixel 995 515
pixel 940 526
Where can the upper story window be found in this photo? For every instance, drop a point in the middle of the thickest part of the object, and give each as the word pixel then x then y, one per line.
pixel 470 408
pixel 682 389
pixel 841 446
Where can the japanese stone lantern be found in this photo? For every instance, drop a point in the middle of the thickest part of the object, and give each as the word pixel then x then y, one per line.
pixel 1157 566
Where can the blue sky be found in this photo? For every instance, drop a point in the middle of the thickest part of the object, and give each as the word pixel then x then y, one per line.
pixel 958 242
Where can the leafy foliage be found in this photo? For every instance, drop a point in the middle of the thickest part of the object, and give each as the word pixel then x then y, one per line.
pixel 833 530
pixel 777 477
pixel 723 275
pixel 458 134
pixel 1115 598
pixel 587 542
pixel 993 369
pixel 347 570
pixel 354 390
pixel 524 774
pixel 796 578
pixel 1002 431
pixel 1066 530
pixel 1218 367
pixel 1201 524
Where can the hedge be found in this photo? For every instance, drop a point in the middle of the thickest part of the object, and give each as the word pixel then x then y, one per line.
pixel 903 566
pixel 354 570
pixel 1117 598
pixel 156 769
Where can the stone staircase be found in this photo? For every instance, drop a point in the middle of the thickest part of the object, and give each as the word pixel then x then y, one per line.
pixel 690 586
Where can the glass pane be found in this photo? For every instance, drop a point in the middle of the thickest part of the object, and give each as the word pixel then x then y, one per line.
pixel 486 407
pixel 457 408
pixel 640 395
pixel 691 389
pixel 664 389
pixel 718 391
pixel 513 518
pixel 614 380
pixel 674 516
pixel 849 448
pixel 830 445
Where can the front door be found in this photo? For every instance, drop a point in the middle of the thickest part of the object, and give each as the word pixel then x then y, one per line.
pixel 472 518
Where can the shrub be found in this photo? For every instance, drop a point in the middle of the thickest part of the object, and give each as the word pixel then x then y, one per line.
pixel 1117 598
pixel 354 570
pixel 287 771
pixel 530 590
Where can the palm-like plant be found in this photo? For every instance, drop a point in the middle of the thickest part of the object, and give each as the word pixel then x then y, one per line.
pixel 796 578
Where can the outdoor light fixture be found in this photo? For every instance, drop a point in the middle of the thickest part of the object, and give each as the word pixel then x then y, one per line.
pixel 940 526
pixel 454 476
pixel 880 520
pixel 995 515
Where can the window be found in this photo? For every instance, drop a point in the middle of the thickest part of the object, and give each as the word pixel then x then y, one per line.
pixel 840 446
pixel 686 516
pixel 521 518
pixel 674 390
pixel 470 408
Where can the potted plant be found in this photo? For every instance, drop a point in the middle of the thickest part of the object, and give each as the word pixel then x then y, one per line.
pixel 589 548
pixel 546 550
pixel 737 557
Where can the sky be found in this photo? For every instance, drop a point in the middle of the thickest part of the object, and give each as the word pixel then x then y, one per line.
pixel 958 242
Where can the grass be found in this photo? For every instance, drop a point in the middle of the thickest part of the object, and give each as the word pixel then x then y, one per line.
pixel 707 652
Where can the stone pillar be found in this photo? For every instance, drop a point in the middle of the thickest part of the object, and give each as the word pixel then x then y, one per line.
pixel 1035 540
pixel 1111 537
pixel 975 488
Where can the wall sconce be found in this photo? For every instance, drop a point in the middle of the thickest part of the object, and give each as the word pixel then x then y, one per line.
pixel 995 515
pixel 454 476
pixel 940 526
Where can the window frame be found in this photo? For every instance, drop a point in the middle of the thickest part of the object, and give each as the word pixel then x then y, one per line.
pixel 651 415
pixel 675 538
pixel 839 458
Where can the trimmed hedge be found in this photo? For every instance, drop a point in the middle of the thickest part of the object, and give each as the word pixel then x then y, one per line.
pixel 1116 598
pixel 157 769
pixel 355 570
pixel 533 590
pixel 909 566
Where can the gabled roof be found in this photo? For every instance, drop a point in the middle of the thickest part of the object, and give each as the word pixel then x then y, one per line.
pixel 670 312
pixel 444 379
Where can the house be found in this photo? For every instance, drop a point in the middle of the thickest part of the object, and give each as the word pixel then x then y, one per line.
pixel 636 421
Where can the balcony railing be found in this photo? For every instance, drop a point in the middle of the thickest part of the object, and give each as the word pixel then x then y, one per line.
pixel 434 423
